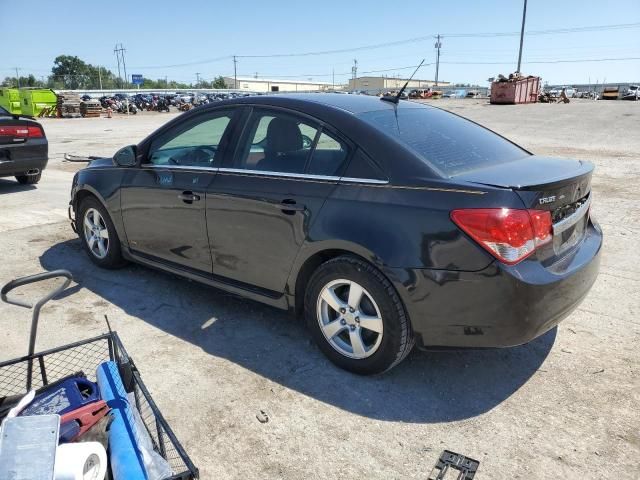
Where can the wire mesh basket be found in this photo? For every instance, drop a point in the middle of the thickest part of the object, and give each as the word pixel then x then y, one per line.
pixel 52 365
pixel 36 370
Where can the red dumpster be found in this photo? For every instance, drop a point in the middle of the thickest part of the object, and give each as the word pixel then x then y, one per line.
pixel 521 90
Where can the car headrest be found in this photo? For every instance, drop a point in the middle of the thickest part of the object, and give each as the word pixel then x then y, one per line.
pixel 283 135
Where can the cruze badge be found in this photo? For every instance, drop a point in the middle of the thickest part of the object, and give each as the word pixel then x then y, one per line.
pixel 550 199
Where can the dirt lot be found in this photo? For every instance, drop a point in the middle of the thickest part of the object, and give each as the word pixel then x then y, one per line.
pixel 563 406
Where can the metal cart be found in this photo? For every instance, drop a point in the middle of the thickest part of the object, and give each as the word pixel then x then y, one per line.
pixel 36 370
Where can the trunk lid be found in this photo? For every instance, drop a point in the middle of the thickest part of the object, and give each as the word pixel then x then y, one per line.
pixel 560 186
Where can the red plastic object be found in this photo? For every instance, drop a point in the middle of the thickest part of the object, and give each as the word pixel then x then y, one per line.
pixel 525 90
pixel 86 416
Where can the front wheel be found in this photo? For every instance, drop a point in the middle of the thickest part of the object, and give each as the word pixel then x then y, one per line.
pixel 98 234
pixel 356 317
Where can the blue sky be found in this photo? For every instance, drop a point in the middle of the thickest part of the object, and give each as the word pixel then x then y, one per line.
pixel 164 33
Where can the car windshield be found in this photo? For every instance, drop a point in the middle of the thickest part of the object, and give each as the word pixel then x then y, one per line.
pixel 3 112
pixel 445 141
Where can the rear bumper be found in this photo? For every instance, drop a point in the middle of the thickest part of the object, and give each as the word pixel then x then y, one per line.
pixel 499 306
pixel 21 166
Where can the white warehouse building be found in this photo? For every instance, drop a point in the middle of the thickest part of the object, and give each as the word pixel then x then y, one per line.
pixel 252 84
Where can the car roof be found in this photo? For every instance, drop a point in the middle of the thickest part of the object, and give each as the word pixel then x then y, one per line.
pixel 354 104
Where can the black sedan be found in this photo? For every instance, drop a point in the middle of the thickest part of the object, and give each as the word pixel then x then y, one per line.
pixel 384 224
pixel 23 148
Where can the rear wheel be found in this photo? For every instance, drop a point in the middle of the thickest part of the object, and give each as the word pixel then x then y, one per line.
pixel 98 234
pixel 29 179
pixel 356 316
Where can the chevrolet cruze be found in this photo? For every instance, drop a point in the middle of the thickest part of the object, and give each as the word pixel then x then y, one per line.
pixel 383 224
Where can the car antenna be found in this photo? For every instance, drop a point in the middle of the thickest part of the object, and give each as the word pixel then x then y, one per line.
pixel 396 99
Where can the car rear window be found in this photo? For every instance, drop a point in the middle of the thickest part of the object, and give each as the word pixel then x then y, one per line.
pixel 449 143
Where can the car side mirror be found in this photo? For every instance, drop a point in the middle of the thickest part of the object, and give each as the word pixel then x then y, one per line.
pixel 126 156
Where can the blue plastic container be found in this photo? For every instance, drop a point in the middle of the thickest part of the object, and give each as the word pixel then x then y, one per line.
pixel 63 396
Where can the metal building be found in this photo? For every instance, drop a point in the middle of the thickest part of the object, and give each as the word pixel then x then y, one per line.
pixel 382 84
pixel 252 84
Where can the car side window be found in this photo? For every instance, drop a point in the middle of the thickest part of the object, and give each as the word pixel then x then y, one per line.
pixel 328 157
pixel 193 144
pixel 276 142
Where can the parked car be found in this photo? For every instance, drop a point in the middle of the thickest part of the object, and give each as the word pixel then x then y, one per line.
pixel 384 224
pixel 23 148
pixel 632 93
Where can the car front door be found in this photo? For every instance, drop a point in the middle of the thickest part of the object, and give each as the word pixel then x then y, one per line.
pixel 163 200
pixel 266 197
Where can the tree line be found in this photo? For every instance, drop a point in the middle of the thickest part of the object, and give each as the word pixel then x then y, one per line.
pixel 71 73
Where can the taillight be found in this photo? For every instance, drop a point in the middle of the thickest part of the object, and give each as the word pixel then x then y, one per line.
pixel 508 234
pixel 21 131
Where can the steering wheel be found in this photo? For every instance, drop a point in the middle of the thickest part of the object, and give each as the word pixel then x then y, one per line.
pixel 203 154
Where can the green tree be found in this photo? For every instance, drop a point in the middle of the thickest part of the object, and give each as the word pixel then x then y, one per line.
pixel 73 73
pixel 28 81
pixel 219 82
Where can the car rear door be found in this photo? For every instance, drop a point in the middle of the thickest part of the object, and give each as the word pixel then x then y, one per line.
pixel 263 202
pixel 163 200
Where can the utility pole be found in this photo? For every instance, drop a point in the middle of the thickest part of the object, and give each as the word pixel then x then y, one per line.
pixel 18 77
pixel 119 52
pixel 354 72
pixel 197 79
pixel 116 52
pixel 124 66
pixel 100 76
pixel 333 79
pixel 524 16
pixel 438 46
pixel 235 73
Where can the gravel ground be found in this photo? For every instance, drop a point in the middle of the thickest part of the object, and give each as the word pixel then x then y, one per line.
pixel 563 406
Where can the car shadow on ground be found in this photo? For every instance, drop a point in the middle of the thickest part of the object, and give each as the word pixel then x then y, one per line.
pixel 12 186
pixel 427 387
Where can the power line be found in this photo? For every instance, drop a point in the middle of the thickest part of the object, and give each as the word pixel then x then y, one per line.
pixel 188 64
pixel 453 35
pixel 582 60
pixel 307 75
pixel 585 60
pixel 593 28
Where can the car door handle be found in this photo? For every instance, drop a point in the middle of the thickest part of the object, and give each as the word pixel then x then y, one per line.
pixel 189 197
pixel 290 205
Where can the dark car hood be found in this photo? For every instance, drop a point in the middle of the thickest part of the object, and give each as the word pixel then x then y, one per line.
pixel 529 172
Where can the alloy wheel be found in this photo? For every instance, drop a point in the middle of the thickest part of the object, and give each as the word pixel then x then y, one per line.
pixel 96 233
pixel 349 319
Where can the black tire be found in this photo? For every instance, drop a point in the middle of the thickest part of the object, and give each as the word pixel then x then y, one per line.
pixel 29 179
pixel 113 259
pixel 397 338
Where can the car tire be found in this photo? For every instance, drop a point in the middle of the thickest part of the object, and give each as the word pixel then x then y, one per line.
pixel 110 254
pixel 341 333
pixel 29 179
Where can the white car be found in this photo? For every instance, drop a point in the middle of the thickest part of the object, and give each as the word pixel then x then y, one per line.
pixel 632 93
